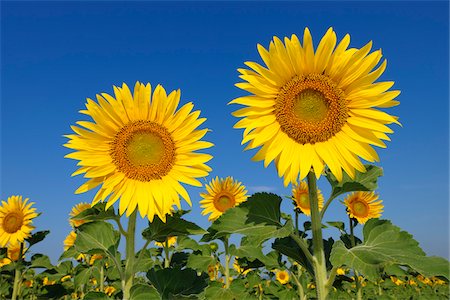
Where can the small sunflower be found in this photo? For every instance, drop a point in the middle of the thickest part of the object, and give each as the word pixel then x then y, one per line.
pixel 221 195
pixel 16 217
pixel 238 267
pixel 109 290
pixel 300 195
pixel 140 148
pixel 69 241
pixel 171 241
pixel 363 206
pixel 397 281
pixel 76 210
pixel 282 276
pixel 308 109
pixel 12 254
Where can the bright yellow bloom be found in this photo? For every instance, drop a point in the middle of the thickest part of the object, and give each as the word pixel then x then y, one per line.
pixel 65 278
pixel 314 108
pixel 16 217
pixel 48 282
pixel 221 195
pixel 238 268
pixel 76 210
pixel 300 194
pixel 109 290
pixel 397 281
pixel 424 280
pixel 69 241
pixel 213 271
pixel 311 285
pixel 282 276
pixel 171 241
pixel 363 206
pixel 412 282
pixel 341 271
pixel 13 251
pixel 95 257
pixel 139 149
pixel 93 281
pixel 438 281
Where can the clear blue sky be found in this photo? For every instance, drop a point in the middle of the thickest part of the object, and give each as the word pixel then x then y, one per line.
pixel 56 54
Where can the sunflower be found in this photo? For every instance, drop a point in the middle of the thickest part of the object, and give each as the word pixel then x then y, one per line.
pixel 300 195
pixel 171 241
pixel 308 109
pixel 221 195
pixel 363 206
pixel 69 241
pixel 238 267
pixel 140 150
pixel 282 276
pixel 13 251
pixel 16 217
pixel 76 210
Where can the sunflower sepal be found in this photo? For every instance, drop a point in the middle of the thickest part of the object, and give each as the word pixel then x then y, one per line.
pixel 362 181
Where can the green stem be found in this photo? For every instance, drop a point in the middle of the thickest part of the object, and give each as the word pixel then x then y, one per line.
pixel 357 283
pixel 331 277
pixel 119 224
pixel 102 278
pixel 227 263
pixel 322 212
pixel 320 270
pixel 303 246
pixel 166 252
pixel 17 274
pixel 296 222
pixel 127 282
pixel 301 292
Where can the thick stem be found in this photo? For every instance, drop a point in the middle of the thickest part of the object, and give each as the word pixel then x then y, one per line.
pixel 127 282
pixel 166 252
pixel 357 283
pixel 17 274
pixel 320 270
pixel 102 278
pixel 227 263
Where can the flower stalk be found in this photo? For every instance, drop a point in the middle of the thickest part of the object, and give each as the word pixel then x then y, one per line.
pixel 127 281
pixel 227 263
pixel 17 274
pixel 319 263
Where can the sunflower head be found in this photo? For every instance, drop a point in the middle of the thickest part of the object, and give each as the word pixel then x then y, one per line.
pixel 222 194
pixel 16 217
pixel 171 240
pixel 13 253
pixel 238 267
pixel 300 195
pixel 282 276
pixel 109 290
pixel 140 148
pixel 363 206
pixel 76 210
pixel 311 108
pixel 69 241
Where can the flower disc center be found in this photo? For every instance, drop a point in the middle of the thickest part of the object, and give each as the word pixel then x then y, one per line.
pixel 303 200
pixel 360 209
pixel 12 222
pixel 143 150
pixel 224 201
pixel 310 105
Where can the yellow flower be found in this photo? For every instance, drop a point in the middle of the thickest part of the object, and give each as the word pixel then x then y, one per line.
pixel 93 281
pixel 69 241
pixel 28 283
pixel 363 206
pixel 171 241
pixel 222 194
pixel 311 285
pixel 341 271
pixel 412 282
pixel 109 290
pixel 282 276
pixel 48 282
pixel 397 281
pixel 300 194
pixel 314 108
pixel 65 278
pixel 438 281
pixel 238 268
pixel 213 271
pixel 16 217
pixel 76 210
pixel 94 257
pixel 12 254
pixel 424 280
pixel 140 150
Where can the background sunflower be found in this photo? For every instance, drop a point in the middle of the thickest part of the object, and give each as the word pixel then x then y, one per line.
pixel 363 206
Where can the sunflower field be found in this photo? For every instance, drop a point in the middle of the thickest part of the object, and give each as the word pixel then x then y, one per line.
pixel 314 112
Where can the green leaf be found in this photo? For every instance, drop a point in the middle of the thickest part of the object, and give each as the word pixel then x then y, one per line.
pixel 254 252
pixel 41 261
pixel 200 262
pixel 95 236
pixel 96 296
pixel 362 182
pixel 96 213
pixel 170 282
pixel 258 217
pixel 338 225
pixel 37 237
pixel 65 267
pixel 144 292
pixel 385 244
pixel 174 226
pixel 289 247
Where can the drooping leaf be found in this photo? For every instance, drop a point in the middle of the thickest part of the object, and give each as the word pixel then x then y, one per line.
pixel 338 225
pixel 174 226
pixel 258 217
pixel 171 282
pixel 97 236
pixel 41 261
pixel 289 247
pixel 362 182
pixel 385 244
pixel 253 251
pixel 200 262
pixel 83 274
pixel 37 237
pixel 144 292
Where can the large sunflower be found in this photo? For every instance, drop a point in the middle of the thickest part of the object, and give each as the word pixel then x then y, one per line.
pixel 16 217
pixel 221 195
pixel 300 195
pixel 363 206
pixel 140 150
pixel 314 108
